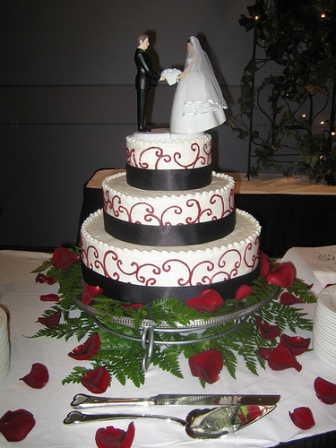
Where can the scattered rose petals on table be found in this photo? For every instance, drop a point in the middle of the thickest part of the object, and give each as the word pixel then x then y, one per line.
pixel 37 377
pixel 40 278
pixel 88 349
pixel 51 321
pixel 96 381
pixel 302 418
pixel 280 358
pixel 267 330
pixel 16 425
pixel 49 298
pixel 282 275
pixel 206 365
pixel 111 437
pixel 325 390
pixel 63 258
pixel 89 292
pixel 207 300
pixel 287 298
pixel 296 344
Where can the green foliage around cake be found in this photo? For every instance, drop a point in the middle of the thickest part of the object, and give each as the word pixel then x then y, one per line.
pixel 122 353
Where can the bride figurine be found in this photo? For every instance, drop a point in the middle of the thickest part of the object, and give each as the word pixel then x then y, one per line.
pixel 198 102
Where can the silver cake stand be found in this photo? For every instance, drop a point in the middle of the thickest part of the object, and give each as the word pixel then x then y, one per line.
pixel 149 330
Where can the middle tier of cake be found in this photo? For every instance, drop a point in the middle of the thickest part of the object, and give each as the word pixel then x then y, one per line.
pixel 169 218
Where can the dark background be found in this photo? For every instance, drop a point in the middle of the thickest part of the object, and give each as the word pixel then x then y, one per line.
pixel 68 98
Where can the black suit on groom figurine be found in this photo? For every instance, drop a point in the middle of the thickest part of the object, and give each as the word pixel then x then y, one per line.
pixel 143 79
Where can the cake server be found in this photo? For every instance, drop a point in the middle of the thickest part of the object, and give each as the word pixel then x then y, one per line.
pixel 199 423
pixel 81 401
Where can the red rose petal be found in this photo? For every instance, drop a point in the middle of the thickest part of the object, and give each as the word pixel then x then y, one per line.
pixel 51 321
pixel 287 298
pixel 302 418
pixel 16 425
pixel 40 278
pixel 325 390
pixel 207 300
pixel 37 377
pixel 111 437
pixel 96 381
pixel 243 291
pixel 296 344
pixel 267 330
pixel 89 292
pixel 264 264
pixel 49 298
pixel 132 305
pixel 88 349
pixel 62 258
pixel 50 280
pixel 281 358
pixel 282 275
pixel 206 365
pixel 264 352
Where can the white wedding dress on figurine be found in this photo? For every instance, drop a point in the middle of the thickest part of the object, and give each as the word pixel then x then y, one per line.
pixel 198 102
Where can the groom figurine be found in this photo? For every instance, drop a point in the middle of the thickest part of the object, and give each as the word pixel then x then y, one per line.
pixel 143 79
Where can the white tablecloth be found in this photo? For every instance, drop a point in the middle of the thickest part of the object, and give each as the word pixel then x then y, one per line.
pixel 20 295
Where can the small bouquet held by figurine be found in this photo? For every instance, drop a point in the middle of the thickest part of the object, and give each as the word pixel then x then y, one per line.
pixel 171 75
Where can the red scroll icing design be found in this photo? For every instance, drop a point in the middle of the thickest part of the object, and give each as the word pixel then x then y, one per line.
pixel 154 157
pixel 144 212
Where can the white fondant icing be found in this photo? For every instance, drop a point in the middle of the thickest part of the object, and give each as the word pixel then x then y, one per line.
pixel 162 208
pixel 203 264
pixel 165 151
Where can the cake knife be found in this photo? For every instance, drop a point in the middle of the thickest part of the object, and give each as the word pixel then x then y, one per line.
pixel 81 401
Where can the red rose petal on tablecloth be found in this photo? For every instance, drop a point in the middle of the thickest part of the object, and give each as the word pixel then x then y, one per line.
pixel 243 291
pixel 49 298
pixel 264 264
pixel 16 425
pixel 281 358
pixel 111 437
pixel 51 321
pixel 89 292
pixel 282 275
pixel 264 352
pixel 325 390
pixel 40 278
pixel 206 365
pixel 88 349
pixel 296 344
pixel 207 300
pixel 302 418
pixel 96 381
pixel 287 298
pixel 63 258
pixel 267 330
pixel 37 377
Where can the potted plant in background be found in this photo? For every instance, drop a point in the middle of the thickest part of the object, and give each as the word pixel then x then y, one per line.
pixel 287 103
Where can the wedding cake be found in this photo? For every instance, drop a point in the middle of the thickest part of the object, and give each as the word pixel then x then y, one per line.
pixel 169 227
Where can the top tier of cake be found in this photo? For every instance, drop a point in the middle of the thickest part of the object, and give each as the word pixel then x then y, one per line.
pixel 164 161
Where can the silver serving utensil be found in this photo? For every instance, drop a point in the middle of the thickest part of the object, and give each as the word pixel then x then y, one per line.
pixel 199 423
pixel 82 401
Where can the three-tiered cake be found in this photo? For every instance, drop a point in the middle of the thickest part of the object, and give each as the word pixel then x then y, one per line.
pixel 169 227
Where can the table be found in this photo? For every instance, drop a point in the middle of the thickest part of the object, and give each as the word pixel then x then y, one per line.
pixel 20 295
pixel 292 211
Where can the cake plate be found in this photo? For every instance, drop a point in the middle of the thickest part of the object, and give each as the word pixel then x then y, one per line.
pixel 149 330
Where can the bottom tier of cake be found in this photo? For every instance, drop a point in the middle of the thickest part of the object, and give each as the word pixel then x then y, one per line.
pixel 140 274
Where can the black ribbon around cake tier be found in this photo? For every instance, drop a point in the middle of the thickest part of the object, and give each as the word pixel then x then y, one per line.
pixel 180 235
pixel 168 180
pixel 126 292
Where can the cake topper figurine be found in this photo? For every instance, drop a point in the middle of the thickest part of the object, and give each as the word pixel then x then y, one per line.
pixel 198 102
pixel 143 79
